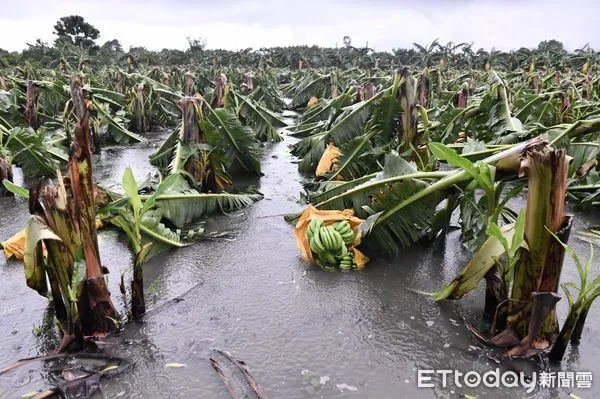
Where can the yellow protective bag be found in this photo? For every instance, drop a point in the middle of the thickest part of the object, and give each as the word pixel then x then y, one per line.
pixel 329 161
pixel 15 245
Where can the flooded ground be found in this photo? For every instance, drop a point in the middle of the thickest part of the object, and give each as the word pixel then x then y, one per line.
pixel 304 332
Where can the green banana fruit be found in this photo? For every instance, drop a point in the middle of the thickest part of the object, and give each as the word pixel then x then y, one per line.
pixel 314 226
pixel 348 238
pixel 325 239
pixel 343 251
pixel 315 247
pixel 343 227
pixel 319 246
pixel 336 238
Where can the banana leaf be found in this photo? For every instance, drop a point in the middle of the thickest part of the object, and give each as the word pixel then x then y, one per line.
pixel 369 199
pixel 181 204
pixel 16 190
pixel 116 130
pixel 383 125
pixel 348 125
pixel 483 260
pixel 163 157
pixel 36 231
pixel 263 122
pixel 225 132
pixel 310 86
pixel 29 150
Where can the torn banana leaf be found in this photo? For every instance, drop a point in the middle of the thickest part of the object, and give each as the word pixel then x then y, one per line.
pixel 36 232
pixel 483 260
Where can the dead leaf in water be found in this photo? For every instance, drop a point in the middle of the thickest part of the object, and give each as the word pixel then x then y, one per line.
pixel 175 365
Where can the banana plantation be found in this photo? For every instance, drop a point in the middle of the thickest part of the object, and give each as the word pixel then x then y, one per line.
pixel 337 218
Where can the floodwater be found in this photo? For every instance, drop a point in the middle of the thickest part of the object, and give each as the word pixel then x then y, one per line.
pixel 304 332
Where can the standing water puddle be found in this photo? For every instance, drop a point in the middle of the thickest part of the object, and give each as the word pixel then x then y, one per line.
pixel 304 332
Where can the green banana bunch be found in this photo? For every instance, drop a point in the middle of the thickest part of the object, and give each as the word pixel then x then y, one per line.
pixel 345 231
pixel 348 262
pixel 330 243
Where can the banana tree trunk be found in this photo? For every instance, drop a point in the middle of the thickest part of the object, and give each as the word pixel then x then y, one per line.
pixel 536 83
pixel 31 97
pixel 578 329
pixel 424 89
pixel 138 109
pixel 333 86
pixel 188 87
pixel 411 142
pixel 463 96
pixel 567 333
pixel 539 268
pixel 220 92
pixel 5 173
pixel 138 301
pixel 565 107
pixel 495 295
pixel 198 165
pixel 95 306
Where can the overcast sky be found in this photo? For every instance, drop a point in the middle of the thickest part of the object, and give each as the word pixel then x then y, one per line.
pixel 236 24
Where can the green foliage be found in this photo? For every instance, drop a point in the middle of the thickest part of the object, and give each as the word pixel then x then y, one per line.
pixel 77 30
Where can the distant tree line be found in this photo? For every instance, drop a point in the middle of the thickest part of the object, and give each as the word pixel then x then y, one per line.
pixel 76 45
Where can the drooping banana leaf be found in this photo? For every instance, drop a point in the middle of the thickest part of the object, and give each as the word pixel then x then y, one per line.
pixel 225 132
pixel 483 260
pixel 32 152
pixel 534 109
pixel 325 108
pixel 163 157
pixel 401 229
pixel 494 122
pixel 397 182
pixel 181 204
pixel 347 126
pixel 262 121
pixel 307 129
pixel 115 129
pixel 381 128
pixel 154 230
pixel 266 92
pixel 16 190
pixel 309 87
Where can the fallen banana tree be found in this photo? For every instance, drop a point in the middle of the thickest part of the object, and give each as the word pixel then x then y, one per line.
pixel 147 220
pixel 521 291
pixel 64 223
pixel 210 144
pixel 402 205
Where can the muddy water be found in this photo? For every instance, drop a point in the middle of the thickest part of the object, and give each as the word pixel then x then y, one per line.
pixel 304 332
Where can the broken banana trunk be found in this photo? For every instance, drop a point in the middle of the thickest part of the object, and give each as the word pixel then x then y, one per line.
pixel 5 173
pixel 198 164
pixel 95 306
pixel 31 97
pixel 63 223
pixel 537 274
